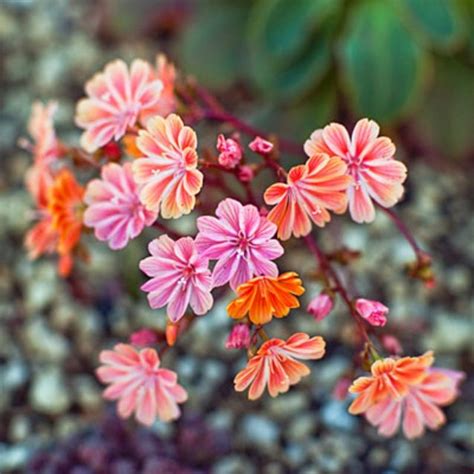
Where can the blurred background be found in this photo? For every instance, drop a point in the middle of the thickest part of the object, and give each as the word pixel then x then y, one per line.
pixel 287 66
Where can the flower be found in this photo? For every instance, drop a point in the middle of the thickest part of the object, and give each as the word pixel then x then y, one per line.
pixel 180 276
pixel 241 242
pixel 245 173
pixel 261 146
pixel 115 211
pixel 42 237
pixel 419 407
pixel 264 297
pixel 65 205
pixel 374 312
pixel 166 73
pixel 41 129
pixel 390 378
pixel 143 337
pixel 239 337
pixel 275 365
pixel 168 176
pixel 320 306
pixel 311 190
pixel 230 152
pixel 140 385
pixel 376 174
pixel 117 97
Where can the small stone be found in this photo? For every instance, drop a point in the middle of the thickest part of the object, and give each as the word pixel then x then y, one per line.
pixel 302 427
pixel 334 415
pixel 287 406
pixel 88 392
pixel 45 344
pixel 234 464
pixel 49 393
pixel 259 430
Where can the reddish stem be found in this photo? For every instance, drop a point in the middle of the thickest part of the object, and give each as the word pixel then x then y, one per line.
pixel 331 274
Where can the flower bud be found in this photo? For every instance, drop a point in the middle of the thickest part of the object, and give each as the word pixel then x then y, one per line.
pixel 391 344
pixel 261 146
pixel 374 312
pixel 320 306
pixel 245 174
pixel 143 337
pixel 230 152
pixel 171 333
pixel 239 337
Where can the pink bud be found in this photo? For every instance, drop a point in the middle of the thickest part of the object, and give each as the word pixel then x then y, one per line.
pixel 261 146
pixel 230 152
pixel 341 388
pixel 391 344
pixel 143 337
pixel 374 312
pixel 320 306
pixel 239 337
pixel 245 174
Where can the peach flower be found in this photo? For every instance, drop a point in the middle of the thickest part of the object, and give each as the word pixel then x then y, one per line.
pixel 168 174
pixel 275 365
pixel 311 190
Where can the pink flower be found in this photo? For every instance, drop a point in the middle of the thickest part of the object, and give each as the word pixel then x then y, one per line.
pixel 419 408
pixel 140 385
pixel 275 365
pixel 166 73
pixel 261 146
pixel 168 176
pixel 41 128
pixel 341 389
pixel 391 344
pixel 143 337
pixel 320 306
pixel 230 152
pixel 376 174
pixel 311 190
pixel 245 173
pixel 239 337
pixel 180 277
pixel 374 312
pixel 115 210
pixel 116 100
pixel 241 242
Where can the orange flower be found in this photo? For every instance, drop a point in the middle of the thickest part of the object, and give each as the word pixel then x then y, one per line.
pixel 275 365
pixel 390 377
pixel 65 206
pixel 264 297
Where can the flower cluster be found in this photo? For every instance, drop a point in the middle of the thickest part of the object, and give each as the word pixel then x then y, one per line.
pixel 148 168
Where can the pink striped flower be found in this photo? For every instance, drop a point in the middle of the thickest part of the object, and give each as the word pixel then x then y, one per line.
pixel 166 73
pixel 240 239
pixel 419 408
pixel 115 210
pixel 45 146
pixel 168 175
pixel 116 100
pixel 140 385
pixel 275 365
pixel 376 174
pixel 310 191
pixel 374 312
pixel 179 277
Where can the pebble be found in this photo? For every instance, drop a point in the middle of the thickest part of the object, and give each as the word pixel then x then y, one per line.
pixel 48 393
pixel 233 464
pixel 335 416
pixel 259 430
pixel 45 344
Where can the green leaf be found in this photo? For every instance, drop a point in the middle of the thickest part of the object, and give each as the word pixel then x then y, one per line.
pixel 211 46
pixel 302 73
pixel 279 29
pixel 382 64
pixel 447 114
pixel 439 21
